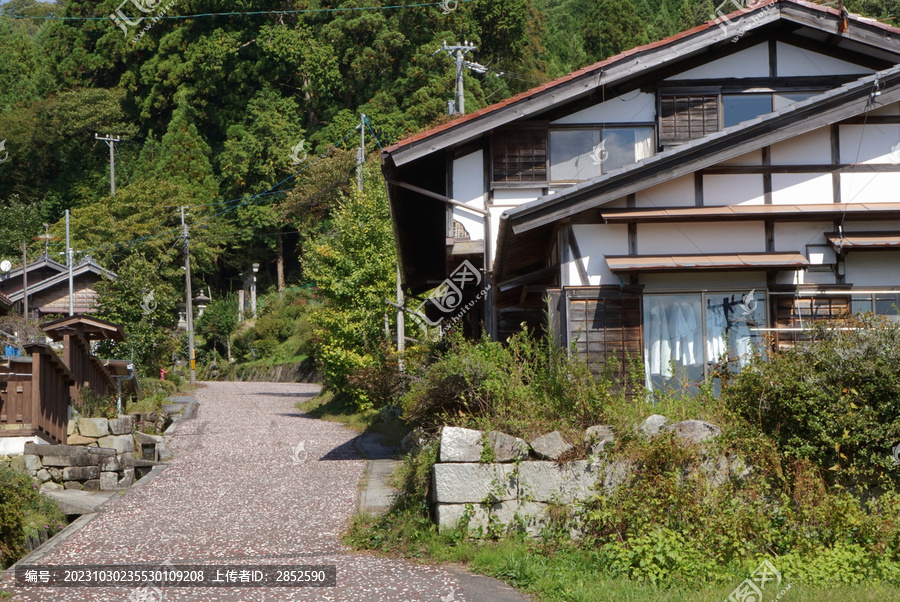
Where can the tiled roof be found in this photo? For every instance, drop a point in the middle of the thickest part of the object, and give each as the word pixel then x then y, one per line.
pixel 615 59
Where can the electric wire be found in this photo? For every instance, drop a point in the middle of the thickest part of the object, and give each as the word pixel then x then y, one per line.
pixel 53 17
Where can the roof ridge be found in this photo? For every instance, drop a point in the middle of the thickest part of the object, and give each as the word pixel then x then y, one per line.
pixel 600 65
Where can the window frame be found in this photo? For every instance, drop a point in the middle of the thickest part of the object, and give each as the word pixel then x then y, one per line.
pixel 592 127
pixel 531 126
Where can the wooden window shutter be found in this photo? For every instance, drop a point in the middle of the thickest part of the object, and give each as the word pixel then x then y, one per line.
pixel 519 155
pixel 685 117
pixel 799 312
pixel 606 325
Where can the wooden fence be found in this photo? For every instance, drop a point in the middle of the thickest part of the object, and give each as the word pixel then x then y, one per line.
pixel 34 395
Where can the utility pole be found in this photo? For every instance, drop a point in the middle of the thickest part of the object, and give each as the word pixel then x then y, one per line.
pixel 401 319
pixel 24 281
pixel 361 155
pixel 458 54
pixel 190 303
pixel 70 262
pixel 111 143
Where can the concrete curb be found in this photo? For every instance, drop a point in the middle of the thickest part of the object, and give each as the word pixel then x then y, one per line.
pixel 375 494
pixel 35 555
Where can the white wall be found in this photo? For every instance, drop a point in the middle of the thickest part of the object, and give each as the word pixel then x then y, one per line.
pixel 595 242
pixel 468 188
pixel 793 237
pixel 802 189
pixel 870 187
pixel 698 238
pixel 809 149
pixel 630 108
pixel 738 189
pixel 870 143
pixel 752 62
pixel 674 193
pixel 793 61
pixel 872 268
pixel 513 197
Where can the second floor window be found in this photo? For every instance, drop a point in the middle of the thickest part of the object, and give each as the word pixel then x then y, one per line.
pixel 578 154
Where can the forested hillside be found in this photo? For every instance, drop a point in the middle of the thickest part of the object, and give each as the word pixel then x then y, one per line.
pixel 245 112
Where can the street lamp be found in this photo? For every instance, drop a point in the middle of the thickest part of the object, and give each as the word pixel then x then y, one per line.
pixel 202 302
pixel 182 321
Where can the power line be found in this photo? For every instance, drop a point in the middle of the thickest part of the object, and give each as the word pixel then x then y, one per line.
pixel 246 13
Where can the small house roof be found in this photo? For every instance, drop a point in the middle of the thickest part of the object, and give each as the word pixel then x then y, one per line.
pixel 92 329
pixel 88 265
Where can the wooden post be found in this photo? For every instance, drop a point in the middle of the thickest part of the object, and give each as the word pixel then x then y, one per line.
pixel 37 374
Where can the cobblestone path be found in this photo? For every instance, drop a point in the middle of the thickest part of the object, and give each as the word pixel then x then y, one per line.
pixel 243 490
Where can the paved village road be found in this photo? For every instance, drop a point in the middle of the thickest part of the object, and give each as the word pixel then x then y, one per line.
pixel 240 491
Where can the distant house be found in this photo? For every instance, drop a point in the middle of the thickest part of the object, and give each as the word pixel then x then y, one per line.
pixel 48 286
pixel 5 305
pixel 676 202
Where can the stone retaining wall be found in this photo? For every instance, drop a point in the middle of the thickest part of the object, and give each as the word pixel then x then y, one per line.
pixel 494 481
pixel 101 455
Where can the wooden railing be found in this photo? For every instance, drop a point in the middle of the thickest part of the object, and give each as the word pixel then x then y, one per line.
pixel 87 369
pixel 34 396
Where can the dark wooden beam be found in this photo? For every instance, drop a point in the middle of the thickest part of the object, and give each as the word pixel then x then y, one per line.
pixel 740 84
pixel 837 52
pixel 701 155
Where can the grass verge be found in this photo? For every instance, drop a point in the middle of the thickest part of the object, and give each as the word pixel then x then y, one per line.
pixel 341 409
pixel 564 571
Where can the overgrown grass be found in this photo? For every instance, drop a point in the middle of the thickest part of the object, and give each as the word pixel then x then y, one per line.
pixel 571 572
pixel 341 409
pixel 147 404
pixel 678 526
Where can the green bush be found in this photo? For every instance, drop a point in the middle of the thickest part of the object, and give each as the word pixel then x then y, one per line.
pixel 91 405
pixel 834 400
pixel 659 556
pixel 154 386
pixel 23 512
pixel 849 564
pixel 525 387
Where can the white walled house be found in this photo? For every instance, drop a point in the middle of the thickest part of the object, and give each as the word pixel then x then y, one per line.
pixel 678 201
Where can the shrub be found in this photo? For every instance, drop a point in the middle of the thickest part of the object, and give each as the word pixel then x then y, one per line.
pixel 659 556
pixel 23 512
pixel 91 405
pixel 834 400
pixel 525 387
pixel 153 386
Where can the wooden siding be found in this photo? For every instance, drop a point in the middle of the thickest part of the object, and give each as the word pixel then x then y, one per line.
pixel 686 117
pixel 604 325
pixel 34 397
pixel 801 312
pixel 55 300
pixel 519 155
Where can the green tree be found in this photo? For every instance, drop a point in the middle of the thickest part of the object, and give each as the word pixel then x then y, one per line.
pixel 219 322
pixel 24 74
pixel 353 267
pixel 19 222
pixel 611 27
pixel 143 304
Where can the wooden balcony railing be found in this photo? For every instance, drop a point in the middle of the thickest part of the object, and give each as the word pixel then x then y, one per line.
pixel 34 395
